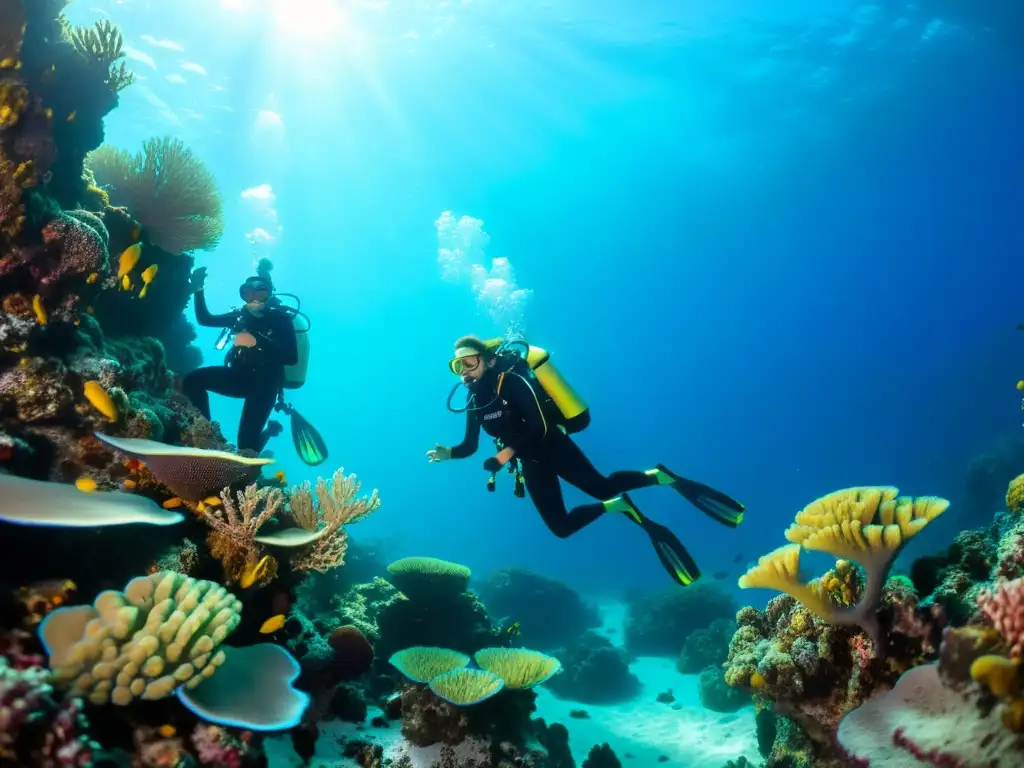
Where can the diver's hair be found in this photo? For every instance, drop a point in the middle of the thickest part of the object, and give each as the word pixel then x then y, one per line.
pixel 473 342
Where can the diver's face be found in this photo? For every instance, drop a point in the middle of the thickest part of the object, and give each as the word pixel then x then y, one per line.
pixel 473 368
pixel 255 298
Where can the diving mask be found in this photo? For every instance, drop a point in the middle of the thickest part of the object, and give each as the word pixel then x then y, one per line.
pixel 466 359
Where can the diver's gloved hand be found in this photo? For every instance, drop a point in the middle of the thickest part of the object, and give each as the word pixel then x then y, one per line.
pixel 197 280
pixel 493 464
pixel 440 453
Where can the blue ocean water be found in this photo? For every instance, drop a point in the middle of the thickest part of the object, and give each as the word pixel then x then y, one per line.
pixel 774 245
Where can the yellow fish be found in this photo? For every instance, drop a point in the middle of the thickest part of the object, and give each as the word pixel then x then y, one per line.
pixel 147 277
pixel 129 485
pixel 92 278
pixel 39 309
pixel 100 400
pixel 172 503
pixel 166 731
pixel 254 572
pixel 272 624
pixel 279 476
pixel 85 484
pixel 126 283
pixel 212 501
pixel 129 258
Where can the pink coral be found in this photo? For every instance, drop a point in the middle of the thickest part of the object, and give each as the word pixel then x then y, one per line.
pixel 76 250
pixel 1003 607
pixel 215 746
pixel 32 723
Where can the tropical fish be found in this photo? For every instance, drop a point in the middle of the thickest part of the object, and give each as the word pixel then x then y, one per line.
pixel 85 484
pixel 100 400
pixel 254 572
pixel 126 283
pixel 39 309
pixel 166 731
pixel 272 624
pixel 92 278
pixel 512 630
pixel 172 503
pixel 147 277
pixel 280 476
pixel 128 485
pixel 129 258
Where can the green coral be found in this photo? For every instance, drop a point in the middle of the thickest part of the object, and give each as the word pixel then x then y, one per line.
pixel 422 664
pixel 465 687
pixel 520 668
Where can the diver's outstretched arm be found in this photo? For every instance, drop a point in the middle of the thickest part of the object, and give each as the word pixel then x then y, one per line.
pixel 471 440
pixel 206 318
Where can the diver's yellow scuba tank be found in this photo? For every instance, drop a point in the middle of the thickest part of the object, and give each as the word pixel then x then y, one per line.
pixel 573 412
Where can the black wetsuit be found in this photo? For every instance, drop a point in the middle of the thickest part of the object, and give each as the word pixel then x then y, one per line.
pixel 516 417
pixel 254 374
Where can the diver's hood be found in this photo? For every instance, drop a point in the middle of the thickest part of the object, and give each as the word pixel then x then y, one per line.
pixel 256 282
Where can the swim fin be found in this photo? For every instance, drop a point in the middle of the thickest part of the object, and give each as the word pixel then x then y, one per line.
pixel 307 440
pixel 671 552
pixel 715 504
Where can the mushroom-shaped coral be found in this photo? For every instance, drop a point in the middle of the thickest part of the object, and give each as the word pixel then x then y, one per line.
pixel 162 632
pixel 518 667
pixel 34 502
pixel 867 525
pixel 924 722
pixel 252 689
pixel 421 576
pixel 421 664
pixel 190 473
pixel 465 687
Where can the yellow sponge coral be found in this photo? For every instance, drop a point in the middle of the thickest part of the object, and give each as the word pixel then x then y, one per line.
pixel 867 525
pixel 1015 494
pixel 162 632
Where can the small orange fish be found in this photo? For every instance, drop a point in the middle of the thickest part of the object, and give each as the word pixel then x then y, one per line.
pixel 85 484
pixel 129 485
pixel 172 503
pixel 39 310
pixel 212 501
pixel 272 624
pixel 100 399
pixel 166 731
pixel 255 572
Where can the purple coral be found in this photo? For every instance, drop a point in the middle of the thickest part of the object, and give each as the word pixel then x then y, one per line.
pixel 1003 607
pixel 75 249
pixel 26 706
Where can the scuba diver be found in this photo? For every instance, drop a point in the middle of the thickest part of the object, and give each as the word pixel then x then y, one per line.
pixel 266 352
pixel 522 402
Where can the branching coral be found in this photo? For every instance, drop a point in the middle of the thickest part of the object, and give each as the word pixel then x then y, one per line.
pixel 336 505
pixel 102 46
pixel 235 523
pixel 1003 608
pixel 866 525
pixel 168 189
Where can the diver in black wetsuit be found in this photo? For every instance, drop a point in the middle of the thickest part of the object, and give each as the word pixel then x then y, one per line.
pixel 264 344
pixel 507 406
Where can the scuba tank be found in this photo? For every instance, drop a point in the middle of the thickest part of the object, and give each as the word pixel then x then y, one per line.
pixel 295 375
pixel 534 363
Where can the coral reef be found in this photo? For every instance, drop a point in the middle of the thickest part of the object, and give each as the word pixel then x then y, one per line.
pixel 550 614
pixel 596 672
pixel 717 695
pixel 659 624
pixel 707 647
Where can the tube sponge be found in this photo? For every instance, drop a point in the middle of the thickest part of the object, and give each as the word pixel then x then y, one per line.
pixel 868 525
pixel 465 687
pixel 162 632
pixel 421 664
pixel 518 667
